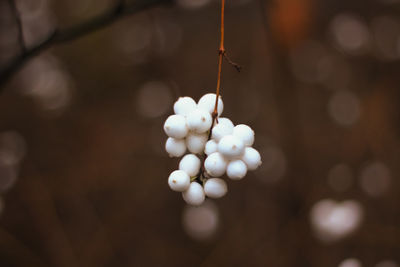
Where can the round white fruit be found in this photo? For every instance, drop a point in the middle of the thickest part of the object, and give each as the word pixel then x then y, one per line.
pixel 236 170
pixel 215 164
pixel 190 163
pixel 175 147
pixel 196 142
pixel 231 147
pixel 211 147
pixel 199 121
pixel 194 195
pixel 184 105
pixel 175 126
pixel 215 188
pixel 245 133
pixel 222 129
pixel 226 121
pixel 207 102
pixel 252 158
pixel 179 181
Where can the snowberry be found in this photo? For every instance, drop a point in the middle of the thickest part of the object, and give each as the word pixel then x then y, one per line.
pixel 222 129
pixel 184 105
pixel 199 121
pixel 194 195
pixel 236 169
pixel 230 146
pixel 252 158
pixel 190 164
pixel 226 121
pixel 175 126
pixel 229 149
pixel 179 181
pixel 245 133
pixel 196 142
pixel 211 147
pixel 175 147
pixel 207 102
pixel 215 164
pixel 215 188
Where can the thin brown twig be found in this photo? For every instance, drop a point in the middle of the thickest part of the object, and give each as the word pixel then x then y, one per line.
pixel 221 55
pixel 232 63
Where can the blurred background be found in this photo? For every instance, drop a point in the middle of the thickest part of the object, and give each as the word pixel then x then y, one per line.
pixel 83 171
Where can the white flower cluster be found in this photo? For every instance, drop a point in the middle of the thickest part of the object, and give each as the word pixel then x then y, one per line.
pixel 228 150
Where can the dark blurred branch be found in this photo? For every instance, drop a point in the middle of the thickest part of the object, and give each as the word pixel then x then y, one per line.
pixel 18 20
pixel 58 36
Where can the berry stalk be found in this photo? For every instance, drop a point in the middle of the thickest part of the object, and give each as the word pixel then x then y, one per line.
pixel 221 52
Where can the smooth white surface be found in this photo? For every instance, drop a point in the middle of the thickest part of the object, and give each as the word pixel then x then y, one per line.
pixel 179 181
pixel 194 195
pixel 207 102
pixel 215 164
pixel 215 188
pixel 175 147
pixel 184 105
pixel 175 126
pixel 190 163
pixel 244 133
pixel 211 147
pixel 199 121
pixel 236 170
pixel 196 142
pixel 220 130
pixel 230 146
pixel 252 158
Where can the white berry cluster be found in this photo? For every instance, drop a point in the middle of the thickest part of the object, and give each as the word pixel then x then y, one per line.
pixel 227 150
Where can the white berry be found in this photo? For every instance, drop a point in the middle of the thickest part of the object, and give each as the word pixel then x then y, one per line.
pixel 184 105
pixel 236 169
pixel 179 181
pixel 175 147
pixel 222 129
pixel 199 121
pixel 211 147
pixel 196 142
pixel 245 133
pixel 207 102
pixel 190 164
pixel 175 126
pixel 230 146
pixel 226 121
pixel 215 164
pixel 215 188
pixel 252 158
pixel 194 195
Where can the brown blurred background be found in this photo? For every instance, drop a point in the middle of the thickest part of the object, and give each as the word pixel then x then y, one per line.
pixel 83 171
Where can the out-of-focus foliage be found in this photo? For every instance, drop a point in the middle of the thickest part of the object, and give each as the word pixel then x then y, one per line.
pixel 83 171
